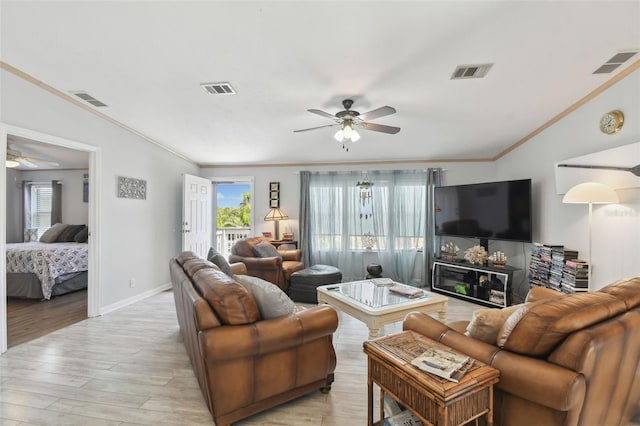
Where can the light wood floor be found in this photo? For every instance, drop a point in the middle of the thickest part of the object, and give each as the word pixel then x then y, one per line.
pixel 28 319
pixel 129 367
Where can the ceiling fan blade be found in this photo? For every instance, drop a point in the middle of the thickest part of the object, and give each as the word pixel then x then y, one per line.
pixel 25 162
pixel 635 170
pixel 314 128
pixel 322 113
pixel 380 128
pixel 379 112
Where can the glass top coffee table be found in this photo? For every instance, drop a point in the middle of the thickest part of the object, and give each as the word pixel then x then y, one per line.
pixel 372 302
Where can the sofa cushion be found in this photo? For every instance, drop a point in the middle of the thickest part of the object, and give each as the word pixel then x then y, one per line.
pixel 186 255
pixel 486 323
pixel 231 302
pixel 265 249
pixel 538 327
pixel 215 257
pixel 52 234
pixel 271 300
pixel 67 235
pixel 192 266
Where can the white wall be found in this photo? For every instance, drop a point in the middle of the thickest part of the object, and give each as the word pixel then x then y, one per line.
pixel 137 237
pixel 616 228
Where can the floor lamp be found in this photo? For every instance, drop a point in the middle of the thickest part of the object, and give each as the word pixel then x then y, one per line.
pixel 590 193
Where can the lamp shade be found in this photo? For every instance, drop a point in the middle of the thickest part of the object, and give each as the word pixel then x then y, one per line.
pixel 591 192
pixel 276 214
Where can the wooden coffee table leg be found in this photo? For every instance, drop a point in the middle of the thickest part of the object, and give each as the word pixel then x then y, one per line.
pixel 369 398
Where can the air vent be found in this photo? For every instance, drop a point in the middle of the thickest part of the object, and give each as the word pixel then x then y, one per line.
pixel 613 63
pixel 88 98
pixel 218 88
pixel 470 71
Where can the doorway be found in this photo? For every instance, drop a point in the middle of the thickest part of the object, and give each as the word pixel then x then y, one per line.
pixel 233 213
pixel 9 133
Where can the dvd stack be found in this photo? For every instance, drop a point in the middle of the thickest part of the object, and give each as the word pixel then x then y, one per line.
pixel 535 267
pixel 559 255
pixel 547 264
pixel 575 276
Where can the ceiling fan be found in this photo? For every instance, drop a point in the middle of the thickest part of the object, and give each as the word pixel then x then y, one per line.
pixel 349 120
pixel 15 159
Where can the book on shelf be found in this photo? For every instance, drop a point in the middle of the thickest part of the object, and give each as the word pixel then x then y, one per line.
pixel 405 290
pixel 445 363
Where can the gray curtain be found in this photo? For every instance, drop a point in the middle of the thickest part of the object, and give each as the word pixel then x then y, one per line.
pixel 26 204
pixel 304 223
pixel 56 202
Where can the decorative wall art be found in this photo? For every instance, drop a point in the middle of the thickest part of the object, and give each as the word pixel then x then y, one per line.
pixel 274 194
pixel 132 188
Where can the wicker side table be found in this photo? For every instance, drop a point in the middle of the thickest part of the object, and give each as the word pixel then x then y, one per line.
pixel 433 400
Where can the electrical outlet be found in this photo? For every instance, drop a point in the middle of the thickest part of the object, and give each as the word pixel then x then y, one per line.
pixel 132 283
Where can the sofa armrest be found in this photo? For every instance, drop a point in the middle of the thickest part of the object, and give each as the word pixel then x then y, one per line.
pixel 529 378
pixel 258 263
pixel 295 254
pixel 238 268
pixel 539 293
pixel 263 337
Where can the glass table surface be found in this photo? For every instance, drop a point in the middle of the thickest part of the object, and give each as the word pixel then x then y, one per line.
pixel 375 293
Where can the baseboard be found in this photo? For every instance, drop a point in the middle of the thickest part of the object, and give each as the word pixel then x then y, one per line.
pixel 134 299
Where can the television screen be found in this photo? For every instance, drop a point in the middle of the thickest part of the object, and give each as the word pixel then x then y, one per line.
pixel 493 210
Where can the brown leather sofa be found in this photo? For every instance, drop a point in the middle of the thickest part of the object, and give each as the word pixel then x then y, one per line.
pixel 275 269
pixel 563 359
pixel 245 364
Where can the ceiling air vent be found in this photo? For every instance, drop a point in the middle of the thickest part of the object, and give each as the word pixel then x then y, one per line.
pixel 218 88
pixel 613 63
pixel 88 98
pixel 470 71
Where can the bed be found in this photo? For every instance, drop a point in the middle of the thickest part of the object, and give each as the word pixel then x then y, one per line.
pixel 40 270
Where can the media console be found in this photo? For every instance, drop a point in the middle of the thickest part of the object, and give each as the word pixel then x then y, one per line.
pixel 485 285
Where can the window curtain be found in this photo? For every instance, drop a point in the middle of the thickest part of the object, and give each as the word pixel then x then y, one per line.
pixel 340 225
pixel 26 204
pixel 304 231
pixel 56 202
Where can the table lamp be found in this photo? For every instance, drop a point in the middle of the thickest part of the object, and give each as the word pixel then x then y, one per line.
pixel 276 215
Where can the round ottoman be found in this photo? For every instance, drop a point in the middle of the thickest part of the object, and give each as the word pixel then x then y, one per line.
pixel 304 283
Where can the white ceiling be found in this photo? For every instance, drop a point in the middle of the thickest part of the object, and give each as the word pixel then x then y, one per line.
pixel 146 61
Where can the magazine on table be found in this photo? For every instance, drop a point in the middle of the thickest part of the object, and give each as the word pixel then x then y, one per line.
pixel 444 363
pixel 406 290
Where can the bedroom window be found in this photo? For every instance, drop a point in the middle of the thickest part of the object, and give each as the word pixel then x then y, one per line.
pixel 41 202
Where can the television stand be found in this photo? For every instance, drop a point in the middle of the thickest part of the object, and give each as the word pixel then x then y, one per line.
pixel 482 284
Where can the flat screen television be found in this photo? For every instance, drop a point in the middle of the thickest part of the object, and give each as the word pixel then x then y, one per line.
pixel 488 211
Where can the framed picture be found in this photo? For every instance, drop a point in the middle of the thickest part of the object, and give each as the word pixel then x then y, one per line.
pixel 274 195
pixel 274 186
pixel 274 203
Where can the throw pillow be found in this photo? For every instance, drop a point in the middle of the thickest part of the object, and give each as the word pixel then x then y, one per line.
pixel 69 233
pixel 271 300
pixel 215 257
pixel 265 249
pixel 82 236
pixel 30 234
pixel 52 234
pixel 486 323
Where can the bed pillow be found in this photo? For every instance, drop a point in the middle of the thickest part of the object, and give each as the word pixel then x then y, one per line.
pixel 265 249
pixel 485 324
pixel 52 234
pixel 68 234
pixel 215 257
pixel 82 236
pixel 271 300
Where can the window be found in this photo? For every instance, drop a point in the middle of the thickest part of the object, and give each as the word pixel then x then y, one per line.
pixel 40 207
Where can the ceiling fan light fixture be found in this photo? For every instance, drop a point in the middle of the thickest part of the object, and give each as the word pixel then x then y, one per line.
pixel 10 164
pixel 347 129
pixel 355 136
pixel 339 136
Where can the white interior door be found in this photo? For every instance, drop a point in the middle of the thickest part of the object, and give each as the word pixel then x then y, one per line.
pixel 196 214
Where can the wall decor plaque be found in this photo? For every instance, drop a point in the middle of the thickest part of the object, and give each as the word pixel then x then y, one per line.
pixel 132 188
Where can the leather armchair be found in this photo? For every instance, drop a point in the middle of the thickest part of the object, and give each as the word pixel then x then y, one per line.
pixel 276 269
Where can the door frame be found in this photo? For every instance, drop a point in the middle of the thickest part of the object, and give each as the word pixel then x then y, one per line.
pixel 95 184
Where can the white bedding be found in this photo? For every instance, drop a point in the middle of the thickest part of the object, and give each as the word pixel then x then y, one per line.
pixel 47 260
